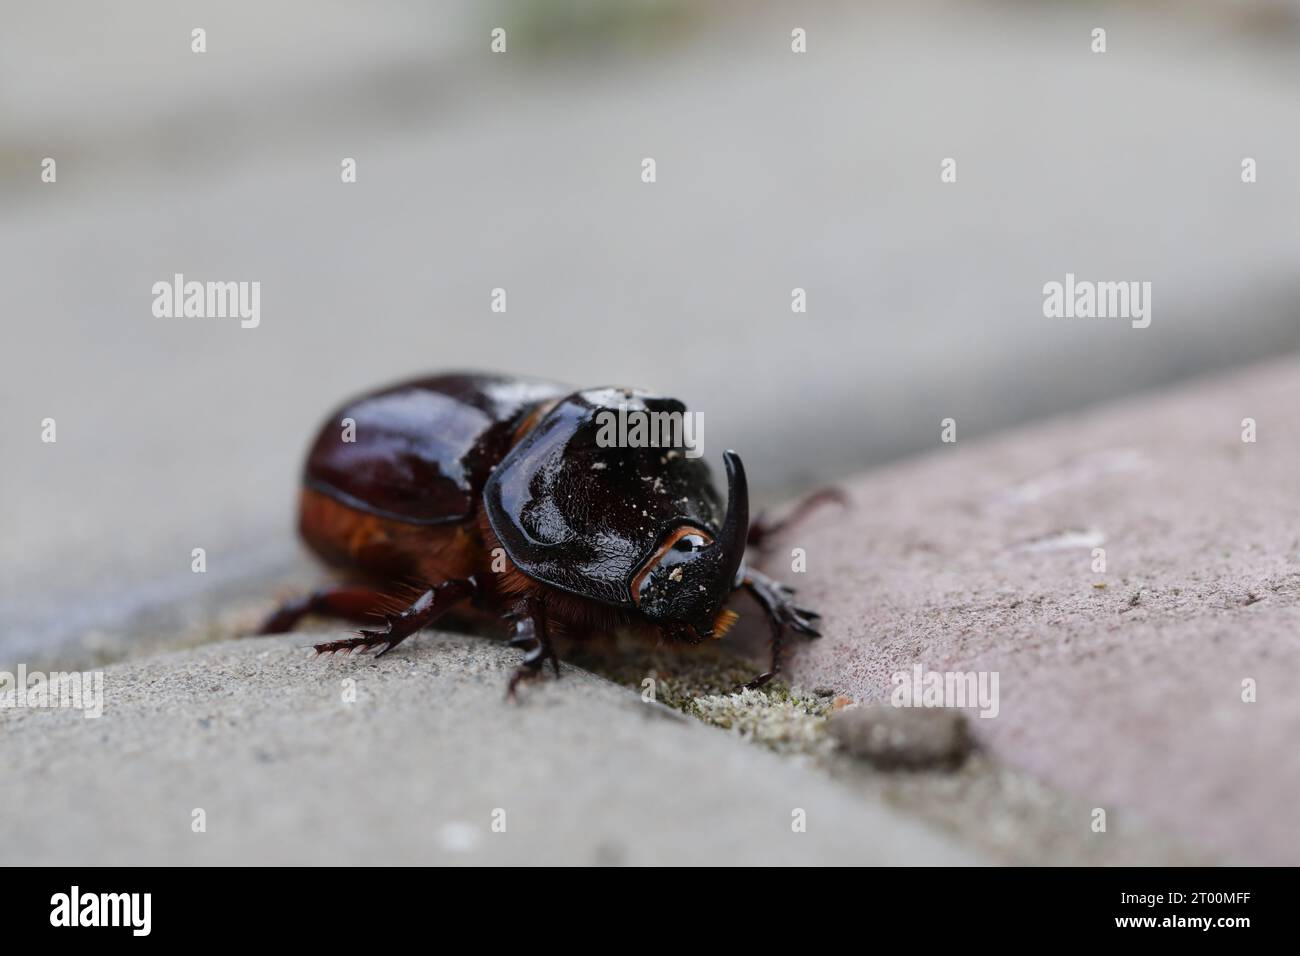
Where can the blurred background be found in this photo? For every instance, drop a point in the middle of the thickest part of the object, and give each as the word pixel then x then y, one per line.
pixel 522 171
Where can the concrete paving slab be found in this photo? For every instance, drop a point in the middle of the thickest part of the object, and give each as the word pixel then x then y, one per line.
pixel 1123 687
pixel 256 734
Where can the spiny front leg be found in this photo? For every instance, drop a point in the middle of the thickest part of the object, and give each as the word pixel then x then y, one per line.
pixel 529 617
pixel 782 612
pixel 425 609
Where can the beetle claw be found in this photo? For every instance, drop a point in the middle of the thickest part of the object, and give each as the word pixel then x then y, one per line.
pixel 382 638
pixel 531 633
pixel 774 598
pixel 800 622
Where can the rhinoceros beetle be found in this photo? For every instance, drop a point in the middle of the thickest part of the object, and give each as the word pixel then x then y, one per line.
pixel 495 494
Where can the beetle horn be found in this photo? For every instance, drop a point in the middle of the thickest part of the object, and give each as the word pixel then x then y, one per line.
pixel 735 527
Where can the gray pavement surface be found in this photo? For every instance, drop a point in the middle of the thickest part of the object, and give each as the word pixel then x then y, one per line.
pixel 256 734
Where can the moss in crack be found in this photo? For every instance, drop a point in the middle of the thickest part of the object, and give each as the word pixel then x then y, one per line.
pixel 708 684
pixel 778 718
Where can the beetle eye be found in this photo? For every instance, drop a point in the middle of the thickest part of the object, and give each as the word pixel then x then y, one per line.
pixel 689 542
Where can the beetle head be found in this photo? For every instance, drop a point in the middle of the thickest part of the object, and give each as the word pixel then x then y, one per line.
pixel 685 584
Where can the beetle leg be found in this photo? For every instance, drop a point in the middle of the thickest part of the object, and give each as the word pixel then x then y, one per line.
pixel 348 602
pixel 763 529
pixel 775 600
pixel 532 632
pixel 425 609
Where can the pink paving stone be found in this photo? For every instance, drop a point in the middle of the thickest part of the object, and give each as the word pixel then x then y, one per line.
pixel 978 556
